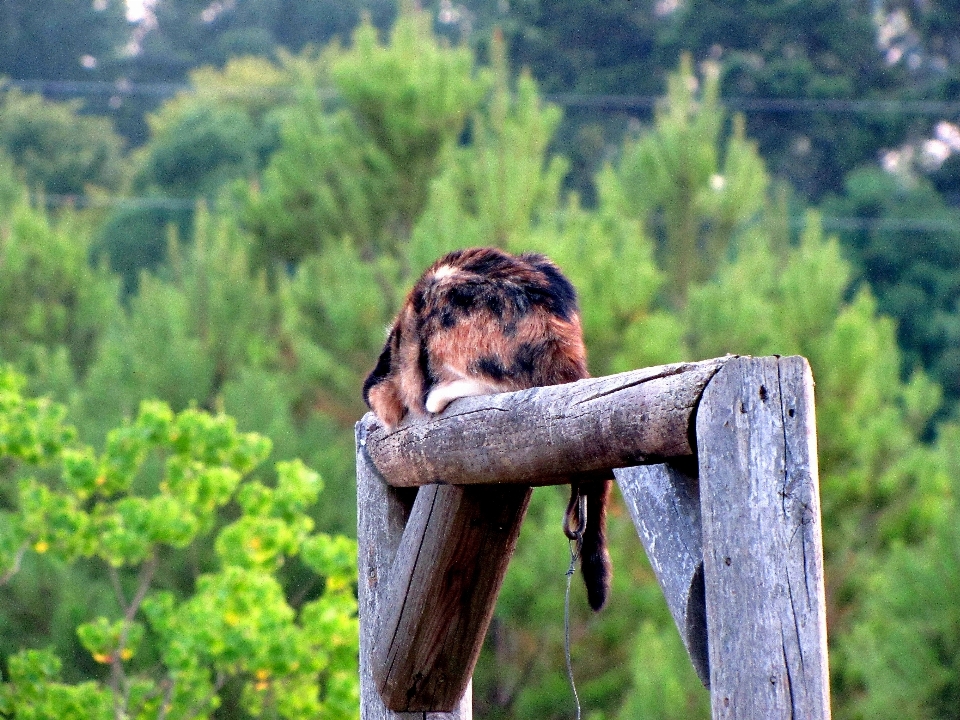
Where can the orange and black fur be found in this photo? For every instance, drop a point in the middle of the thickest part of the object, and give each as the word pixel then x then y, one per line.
pixel 482 321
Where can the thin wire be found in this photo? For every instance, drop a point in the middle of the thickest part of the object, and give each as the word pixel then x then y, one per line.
pixel 834 106
pixel 574 554
pixel 797 221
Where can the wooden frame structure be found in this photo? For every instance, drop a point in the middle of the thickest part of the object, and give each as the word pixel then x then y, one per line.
pixel 717 464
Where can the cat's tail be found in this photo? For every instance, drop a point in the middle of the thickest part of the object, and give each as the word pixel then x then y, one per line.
pixel 594 489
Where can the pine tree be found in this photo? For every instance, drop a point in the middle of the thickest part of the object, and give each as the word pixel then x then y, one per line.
pixel 54 307
pixel 364 170
pixel 694 194
pixel 59 150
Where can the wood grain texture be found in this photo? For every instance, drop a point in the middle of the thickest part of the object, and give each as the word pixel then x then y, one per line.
pixel 664 502
pixel 382 513
pixel 539 436
pixel 443 587
pixel 763 559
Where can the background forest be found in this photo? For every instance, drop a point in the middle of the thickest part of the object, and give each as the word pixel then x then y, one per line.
pixel 210 212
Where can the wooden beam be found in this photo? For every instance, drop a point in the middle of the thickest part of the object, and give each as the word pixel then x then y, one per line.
pixel 539 436
pixel 664 502
pixel 382 513
pixel 443 589
pixel 763 559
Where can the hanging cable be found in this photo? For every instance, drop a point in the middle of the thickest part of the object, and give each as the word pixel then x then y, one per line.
pixel 574 523
pixel 574 554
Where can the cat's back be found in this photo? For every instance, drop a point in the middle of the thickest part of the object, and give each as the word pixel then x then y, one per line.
pixel 511 319
pixel 478 321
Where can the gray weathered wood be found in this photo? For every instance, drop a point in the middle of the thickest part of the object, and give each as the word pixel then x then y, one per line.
pixel 664 502
pixel 763 559
pixel 541 435
pixel 443 589
pixel 382 513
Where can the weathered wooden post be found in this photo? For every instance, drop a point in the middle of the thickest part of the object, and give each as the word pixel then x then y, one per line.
pixel 382 513
pixel 737 551
pixel 763 553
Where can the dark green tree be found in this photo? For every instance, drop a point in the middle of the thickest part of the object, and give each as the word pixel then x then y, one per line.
pixel 222 129
pixel 788 50
pixel 62 39
pixel 585 47
pixel 54 306
pixel 905 241
pixel 363 172
pixel 186 34
pixel 59 150
pixel 772 52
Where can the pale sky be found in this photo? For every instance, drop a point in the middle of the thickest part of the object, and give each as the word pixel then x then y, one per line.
pixel 135 9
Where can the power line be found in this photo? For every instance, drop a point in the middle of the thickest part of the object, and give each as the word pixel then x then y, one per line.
pixel 770 105
pixel 607 102
pixel 116 201
pixel 839 224
pixel 96 87
pixel 881 224
pixel 106 88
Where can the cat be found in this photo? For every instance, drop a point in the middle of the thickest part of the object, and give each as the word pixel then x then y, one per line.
pixel 482 321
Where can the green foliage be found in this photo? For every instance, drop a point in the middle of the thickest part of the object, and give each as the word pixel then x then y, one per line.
pixel 326 181
pixel 902 656
pixel 494 189
pixel 208 318
pixel 770 51
pixel 665 688
pixel 31 430
pixel 220 131
pixel 504 179
pixel 134 237
pixel 255 86
pixel 48 40
pixel 198 153
pixel 35 691
pixel 188 34
pixel 60 151
pixel 364 171
pixel 211 331
pixel 908 250
pixel 53 305
pixel 692 195
pixel 158 489
pixel 822 50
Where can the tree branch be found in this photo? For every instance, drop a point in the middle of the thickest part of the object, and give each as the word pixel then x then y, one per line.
pixel 15 568
pixel 117 587
pixel 118 677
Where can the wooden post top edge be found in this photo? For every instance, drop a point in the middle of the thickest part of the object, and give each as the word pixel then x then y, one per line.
pixel 497 402
pixel 412 442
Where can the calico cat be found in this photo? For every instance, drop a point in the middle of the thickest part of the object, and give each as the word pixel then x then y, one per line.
pixel 482 321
